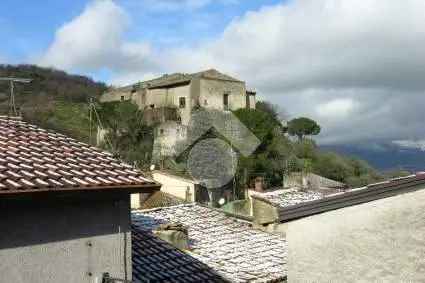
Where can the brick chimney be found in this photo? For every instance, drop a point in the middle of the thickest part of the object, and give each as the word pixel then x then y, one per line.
pixel 175 234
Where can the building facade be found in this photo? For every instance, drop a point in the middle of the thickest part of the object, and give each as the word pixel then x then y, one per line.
pixel 183 93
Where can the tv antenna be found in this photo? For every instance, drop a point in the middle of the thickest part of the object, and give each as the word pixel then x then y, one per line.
pixel 12 81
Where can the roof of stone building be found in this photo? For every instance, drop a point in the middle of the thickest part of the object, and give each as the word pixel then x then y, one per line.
pixel 35 160
pixel 154 260
pixel 295 203
pixel 181 78
pixel 161 199
pixel 230 246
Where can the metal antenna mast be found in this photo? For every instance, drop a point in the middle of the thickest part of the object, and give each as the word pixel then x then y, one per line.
pixel 12 81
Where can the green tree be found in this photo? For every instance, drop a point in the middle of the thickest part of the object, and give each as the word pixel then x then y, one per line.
pixel 130 138
pixel 303 126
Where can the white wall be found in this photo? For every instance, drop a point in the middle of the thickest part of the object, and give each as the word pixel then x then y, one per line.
pixel 175 185
pixel 135 201
pixel 379 241
pixel 46 240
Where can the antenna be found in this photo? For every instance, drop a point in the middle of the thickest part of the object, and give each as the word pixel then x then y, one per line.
pixel 12 81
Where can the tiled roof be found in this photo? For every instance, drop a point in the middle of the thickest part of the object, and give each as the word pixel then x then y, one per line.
pixel 176 79
pixel 287 197
pixel 35 160
pixel 294 203
pixel 228 245
pixel 154 260
pixel 161 199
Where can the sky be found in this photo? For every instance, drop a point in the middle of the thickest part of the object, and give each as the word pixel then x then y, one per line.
pixel 355 66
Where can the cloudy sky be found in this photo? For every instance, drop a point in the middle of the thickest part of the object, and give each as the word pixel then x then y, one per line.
pixel 356 66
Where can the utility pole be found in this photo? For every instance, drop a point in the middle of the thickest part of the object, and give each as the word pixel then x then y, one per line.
pixel 12 81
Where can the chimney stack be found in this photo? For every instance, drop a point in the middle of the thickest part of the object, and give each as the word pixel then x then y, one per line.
pixel 175 234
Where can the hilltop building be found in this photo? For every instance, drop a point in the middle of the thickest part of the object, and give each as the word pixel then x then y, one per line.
pixel 170 100
pixel 176 95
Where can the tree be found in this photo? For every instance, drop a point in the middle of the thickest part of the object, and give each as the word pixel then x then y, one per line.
pixel 303 126
pixel 277 112
pixel 131 139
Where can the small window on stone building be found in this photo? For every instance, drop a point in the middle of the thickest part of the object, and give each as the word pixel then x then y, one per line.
pixel 161 131
pixel 226 101
pixel 152 106
pixel 205 102
pixel 122 97
pixel 182 102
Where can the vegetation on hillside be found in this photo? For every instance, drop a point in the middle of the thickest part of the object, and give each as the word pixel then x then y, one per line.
pixel 278 154
pixel 54 99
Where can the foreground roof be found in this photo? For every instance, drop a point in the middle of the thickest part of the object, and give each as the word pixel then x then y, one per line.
pixel 229 246
pixel 35 160
pixel 154 260
pixel 294 203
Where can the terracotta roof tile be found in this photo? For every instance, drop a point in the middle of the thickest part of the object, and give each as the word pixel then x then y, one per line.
pixel 33 159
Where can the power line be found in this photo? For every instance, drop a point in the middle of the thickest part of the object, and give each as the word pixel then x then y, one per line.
pixel 12 81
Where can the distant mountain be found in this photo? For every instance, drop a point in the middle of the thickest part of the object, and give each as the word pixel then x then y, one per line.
pixel 384 156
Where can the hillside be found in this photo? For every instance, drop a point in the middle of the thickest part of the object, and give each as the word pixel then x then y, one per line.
pixel 58 101
pixel 54 99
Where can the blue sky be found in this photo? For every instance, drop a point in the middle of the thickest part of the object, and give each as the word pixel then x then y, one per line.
pixel 335 61
pixel 30 26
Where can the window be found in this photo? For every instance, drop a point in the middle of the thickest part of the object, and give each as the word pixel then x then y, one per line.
pixel 122 97
pixel 161 131
pixel 182 102
pixel 205 102
pixel 226 101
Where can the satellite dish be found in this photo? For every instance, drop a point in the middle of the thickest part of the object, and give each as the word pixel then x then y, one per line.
pixel 152 167
pixel 221 201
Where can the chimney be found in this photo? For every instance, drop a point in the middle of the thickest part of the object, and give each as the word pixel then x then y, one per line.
pixel 175 234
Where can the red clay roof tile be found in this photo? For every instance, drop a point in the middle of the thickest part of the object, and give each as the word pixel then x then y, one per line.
pixel 33 159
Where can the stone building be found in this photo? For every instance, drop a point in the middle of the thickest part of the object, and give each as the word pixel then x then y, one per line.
pixel 65 208
pixel 169 102
pixel 182 93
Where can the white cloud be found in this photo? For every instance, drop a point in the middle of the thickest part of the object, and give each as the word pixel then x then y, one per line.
pixel 94 40
pixel 355 66
pixel 337 108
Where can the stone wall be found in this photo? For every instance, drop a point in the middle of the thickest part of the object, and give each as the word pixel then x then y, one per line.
pixel 379 241
pixel 212 91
